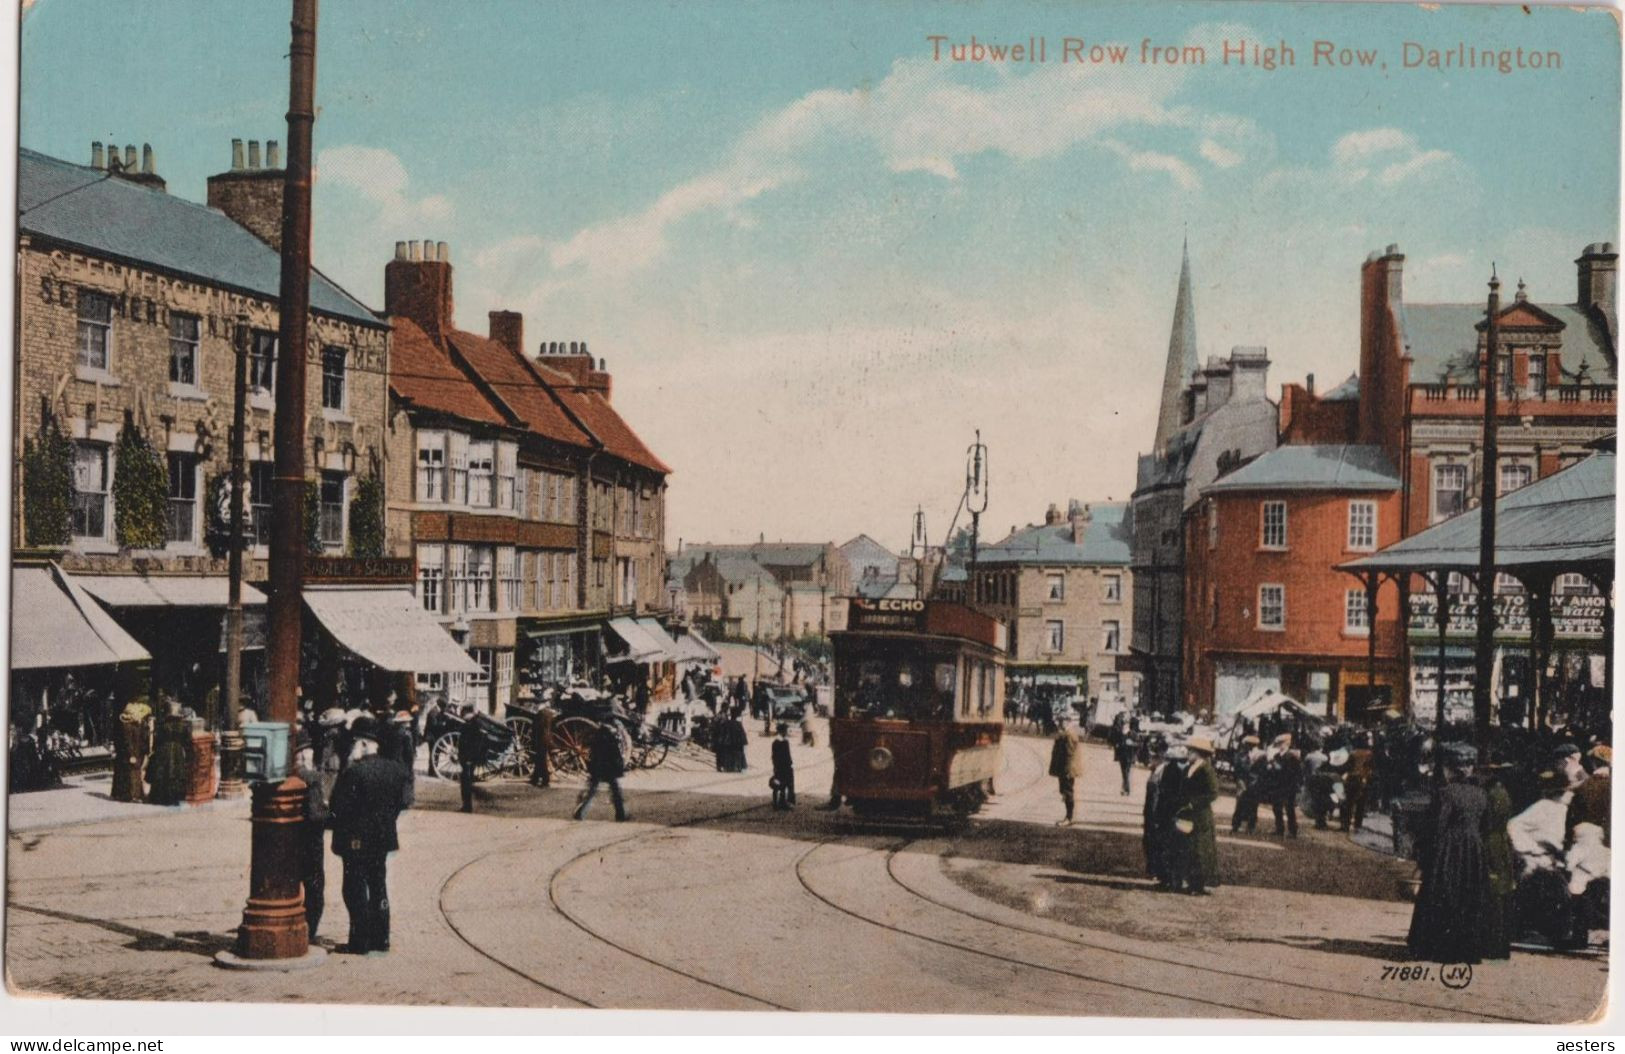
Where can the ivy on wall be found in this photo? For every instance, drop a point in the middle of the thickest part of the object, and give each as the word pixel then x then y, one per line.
pixel 313 519
pixel 367 517
pixel 47 484
pixel 140 490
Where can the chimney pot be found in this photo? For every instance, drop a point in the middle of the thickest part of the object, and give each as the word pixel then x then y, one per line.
pixel 1392 250
pixel 236 155
pixel 400 250
pixel 416 250
pixel 1309 384
pixel 129 157
pixel 443 252
pixel 96 159
pixel 600 361
pixel 253 153
pixel 273 154
pixel 146 158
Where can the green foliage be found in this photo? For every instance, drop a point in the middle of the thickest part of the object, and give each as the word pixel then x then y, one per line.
pixel 140 490
pixel 47 484
pixel 313 519
pixel 367 517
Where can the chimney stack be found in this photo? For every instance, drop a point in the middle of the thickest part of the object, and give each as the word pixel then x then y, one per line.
pixel 508 329
pixel 1078 515
pixel 418 285
pixel 249 194
pixel 1052 515
pixel 129 167
pixel 1598 268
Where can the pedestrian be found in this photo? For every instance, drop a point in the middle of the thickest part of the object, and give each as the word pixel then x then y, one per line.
pixel 396 743
pixel 1593 799
pixel 1066 765
pixel 471 753
pixel 134 744
pixel 1198 850
pixel 605 764
pixel 784 770
pixel 1357 785
pixel 1453 905
pixel 312 834
pixel 366 801
pixel 1124 749
pixel 1499 859
pixel 1318 778
pixel 1252 771
pixel 541 742
pixel 168 772
pixel 1285 782
pixel 737 740
pixel 1542 898
pixel 1163 800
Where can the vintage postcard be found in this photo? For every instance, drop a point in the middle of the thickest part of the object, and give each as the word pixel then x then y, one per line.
pixel 1089 509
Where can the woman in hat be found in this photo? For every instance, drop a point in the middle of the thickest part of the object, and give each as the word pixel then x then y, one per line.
pixel 1199 858
pixel 1162 794
pixel 1453 907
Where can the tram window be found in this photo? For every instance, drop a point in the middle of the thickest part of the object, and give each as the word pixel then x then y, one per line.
pixel 945 677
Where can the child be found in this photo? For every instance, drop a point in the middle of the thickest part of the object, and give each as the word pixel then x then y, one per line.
pixel 784 771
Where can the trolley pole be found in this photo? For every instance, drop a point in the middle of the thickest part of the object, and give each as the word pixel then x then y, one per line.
pixel 273 926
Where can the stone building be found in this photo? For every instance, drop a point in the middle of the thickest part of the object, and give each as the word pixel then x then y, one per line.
pixel 810 583
pixel 130 300
pixel 1065 589
pixel 532 513
pixel 1209 419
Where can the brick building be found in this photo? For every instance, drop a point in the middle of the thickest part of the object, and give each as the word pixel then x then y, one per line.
pixel 1265 607
pixel 130 301
pixel 1422 367
pixel 1066 591
pixel 532 513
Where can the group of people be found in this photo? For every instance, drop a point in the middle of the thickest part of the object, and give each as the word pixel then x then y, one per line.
pixel 1180 842
pixel 1488 875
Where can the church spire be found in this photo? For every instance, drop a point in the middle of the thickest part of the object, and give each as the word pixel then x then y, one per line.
pixel 1181 355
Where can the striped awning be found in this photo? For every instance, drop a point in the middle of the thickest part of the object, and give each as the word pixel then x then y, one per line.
pixel 388 627
pixel 55 623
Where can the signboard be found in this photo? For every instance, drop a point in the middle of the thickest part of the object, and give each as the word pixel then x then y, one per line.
pixel 359 570
pixel 895 614
pixel 1572 616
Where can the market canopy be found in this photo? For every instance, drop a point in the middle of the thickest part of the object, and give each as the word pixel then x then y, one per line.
pixel 691 647
pixel 175 591
pixel 1561 523
pixel 388 627
pixel 1270 701
pixel 641 646
pixel 55 623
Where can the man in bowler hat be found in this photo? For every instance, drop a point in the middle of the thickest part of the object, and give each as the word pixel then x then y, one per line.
pixel 366 800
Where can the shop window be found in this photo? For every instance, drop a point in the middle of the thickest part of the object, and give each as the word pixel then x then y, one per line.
pixel 183 345
pixel 181 523
pixel 95 330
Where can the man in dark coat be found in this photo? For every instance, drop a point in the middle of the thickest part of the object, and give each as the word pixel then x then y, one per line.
pixel 366 800
pixel 1162 797
pixel 784 770
pixel 471 750
pixel 1285 781
pixel 312 856
pixel 605 764
pixel 1124 749
pixel 395 741
pixel 1199 855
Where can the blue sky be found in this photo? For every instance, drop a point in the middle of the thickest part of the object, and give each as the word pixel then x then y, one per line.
pixel 817 260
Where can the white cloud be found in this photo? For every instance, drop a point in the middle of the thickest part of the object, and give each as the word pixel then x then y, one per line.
pixel 1221 156
pixel 380 178
pixel 1390 156
pixel 1357 146
pixel 936 166
pixel 1416 164
pixel 1152 161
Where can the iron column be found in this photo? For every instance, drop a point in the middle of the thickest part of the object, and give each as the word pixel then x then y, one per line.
pixel 1486 532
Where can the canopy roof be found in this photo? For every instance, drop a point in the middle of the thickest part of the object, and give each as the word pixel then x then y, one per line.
pixel 55 624
pixel 641 645
pixel 386 626
pixel 691 647
pixel 173 591
pixel 1270 701
pixel 1559 523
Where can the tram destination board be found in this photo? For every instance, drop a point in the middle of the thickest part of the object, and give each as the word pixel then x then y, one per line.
pixel 897 615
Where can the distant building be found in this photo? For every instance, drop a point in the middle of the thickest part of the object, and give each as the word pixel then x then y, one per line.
pixel 1066 591
pixel 810 583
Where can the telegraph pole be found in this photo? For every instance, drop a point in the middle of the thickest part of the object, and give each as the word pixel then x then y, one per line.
pixel 273 926
pixel 1486 530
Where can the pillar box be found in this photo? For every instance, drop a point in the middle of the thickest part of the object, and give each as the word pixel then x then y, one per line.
pixel 200 779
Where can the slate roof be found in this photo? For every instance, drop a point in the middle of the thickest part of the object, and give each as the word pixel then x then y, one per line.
pixel 1443 339
pixel 421 373
pixel 1561 521
pixel 1346 392
pixel 1105 541
pixel 102 215
pixel 739 568
pixel 1313 467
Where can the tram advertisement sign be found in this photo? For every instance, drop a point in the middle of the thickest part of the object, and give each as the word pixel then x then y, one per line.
pixel 887 613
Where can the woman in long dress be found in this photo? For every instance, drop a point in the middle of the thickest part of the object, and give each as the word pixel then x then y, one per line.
pixel 1453 908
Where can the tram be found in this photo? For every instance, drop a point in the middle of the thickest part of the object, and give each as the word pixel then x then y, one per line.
pixel 919 707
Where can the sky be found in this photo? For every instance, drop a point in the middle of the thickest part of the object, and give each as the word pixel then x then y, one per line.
pixel 818 258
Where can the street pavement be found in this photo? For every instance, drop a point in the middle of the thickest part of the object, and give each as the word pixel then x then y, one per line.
pixel 708 899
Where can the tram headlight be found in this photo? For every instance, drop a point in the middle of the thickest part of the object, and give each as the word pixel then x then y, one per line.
pixel 880 759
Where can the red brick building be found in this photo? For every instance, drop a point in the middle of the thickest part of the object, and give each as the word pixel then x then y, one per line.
pixel 1264 605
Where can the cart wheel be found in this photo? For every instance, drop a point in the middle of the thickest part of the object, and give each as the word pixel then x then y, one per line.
pixel 443 757
pixel 572 738
pixel 521 762
pixel 654 754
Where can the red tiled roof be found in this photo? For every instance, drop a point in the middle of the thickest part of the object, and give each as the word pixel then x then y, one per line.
pixel 518 387
pixel 598 415
pixel 421 373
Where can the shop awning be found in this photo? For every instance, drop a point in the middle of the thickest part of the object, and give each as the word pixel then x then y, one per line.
pixel 174 591
pixel 658 634
pixel 691 647
pixel 389 628
pixel 640 646
pixel 55 623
